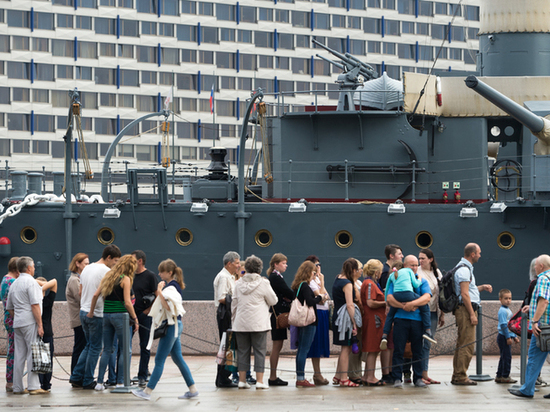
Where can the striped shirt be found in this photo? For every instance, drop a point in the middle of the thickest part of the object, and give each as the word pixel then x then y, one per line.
pixel 542 290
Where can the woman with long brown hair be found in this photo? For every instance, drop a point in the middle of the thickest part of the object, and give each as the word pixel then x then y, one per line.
pixel 305 295
pixel 115 287
pixel 168 305
pixel 285 295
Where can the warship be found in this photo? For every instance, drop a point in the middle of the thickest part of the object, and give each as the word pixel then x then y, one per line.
pixel 435 160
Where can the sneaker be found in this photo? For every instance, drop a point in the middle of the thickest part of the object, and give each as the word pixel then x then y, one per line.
pixel 251 380
pixel 109 385
pixel 419 383
pixel 100 387
pixel 90 386
pixel 75 384
pixel 142 383
pixel 235 381
pixel 387 379
pixel 38 392
pixel 261 385
pixel 540 382
pixel 384 344
pixel 244 385
pixel 120 385
pixel 188 395
pixel 398 383
pixel 504 380
pixel 141 394
pixel 428 336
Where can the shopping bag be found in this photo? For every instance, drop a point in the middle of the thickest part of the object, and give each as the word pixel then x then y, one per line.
pixel 231 353
pixel 41 359
pixel 220 357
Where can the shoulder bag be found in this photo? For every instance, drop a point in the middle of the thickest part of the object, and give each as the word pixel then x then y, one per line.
pixel 41 359
pixel 300 313
pixel 281 320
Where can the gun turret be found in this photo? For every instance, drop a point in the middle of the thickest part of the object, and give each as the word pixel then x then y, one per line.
pixel 539 126
pixel 349 62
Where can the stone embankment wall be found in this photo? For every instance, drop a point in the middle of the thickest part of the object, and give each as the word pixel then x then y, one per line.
pixel 200 332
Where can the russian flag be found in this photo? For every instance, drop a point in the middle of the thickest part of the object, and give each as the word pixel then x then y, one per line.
pixel 212 100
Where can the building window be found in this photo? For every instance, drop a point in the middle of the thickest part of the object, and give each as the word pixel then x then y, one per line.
pixel 165 78
pixel 166 29
pixel 372 25
pixel 148 77
pixel 147 6
pixel 439 31
pixel 43 21
pixel 389 48
pixel 83 73
pixel 187 81
pixel 58 150
pixel 407 27
pixel 126 50
pixel 125 150
pixel 170 56
pixel 244 36
pixel 146 153
pixel 62 48
pixel 472 33
pixel 455 10
pixel 64 2
pixel 426 53
pixel 187 131
pixel 4 43
pixel 169 7
pixel 227 34
pixel 44 72
pixel 321 68
pixel 300 66
pixel 105 126
pixel 247 61
pixel 286 41
pixel 188 56
pixel 265 14
pixel 90 4
pixel 406 7
pixel 228 83
pixel 107 99
pixel 265 62
pixel 357 4
pixel 87 50
pixel 128 4
pixel 225 60
pixel 41 45
pixel 263 39
pixel 146 54
pixel 206 57
pixel 20 94
pixel 88 100
pixel 107 49
pixel 84 22
pixel 189 7
pixel 423 28
pixel 65 21
pixel 300 19
pixel 322 21
pixel 393 28
pixel 44 123
pixel 405 51
pixel 17 18
pixel 20 146
pixel 188 105
pixel 248 14
pixel 282 16
pixel 129 78
pixel 354 22
pixel 105 76
pixel 286 87
pixel 21 122
pixel 440 8
pixel 245 83
pixel 129 28
pixel 4 98
pixel 206 9
pixel 149 28
pixel 225 12
pixel 282 63
pixel 225 108
pixel 337 44
pixel 146 103
pixel 186 33
pixel 425 8
pixel 105 26
pixel 357 47
pixel 20 43
pixel 457 33
pixel 18 70
pixel 209 34
pixel 209 81
pixel 60 98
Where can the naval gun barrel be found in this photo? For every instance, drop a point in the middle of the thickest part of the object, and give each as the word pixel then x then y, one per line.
pixel 530 120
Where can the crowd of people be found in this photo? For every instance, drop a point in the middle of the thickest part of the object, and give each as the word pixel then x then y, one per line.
pixel 392 314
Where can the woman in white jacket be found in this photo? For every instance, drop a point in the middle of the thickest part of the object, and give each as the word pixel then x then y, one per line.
pixel 168 305
pixel 251 320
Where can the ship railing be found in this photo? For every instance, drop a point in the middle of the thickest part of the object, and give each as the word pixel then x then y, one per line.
pixel 321 99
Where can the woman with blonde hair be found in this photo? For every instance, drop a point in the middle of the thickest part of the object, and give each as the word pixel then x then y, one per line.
pixel 374 317
pixel 115 288
pixel 168 306
pixel 305 295
pixel 72 293
pixel 285 295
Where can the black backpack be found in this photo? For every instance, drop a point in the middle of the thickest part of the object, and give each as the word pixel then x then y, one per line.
pixel 448 298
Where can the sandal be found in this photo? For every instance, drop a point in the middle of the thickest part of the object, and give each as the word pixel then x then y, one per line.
pixel 430 381
pixel 336 381
pixel 379 383
pixel 320 381
pixel 348 383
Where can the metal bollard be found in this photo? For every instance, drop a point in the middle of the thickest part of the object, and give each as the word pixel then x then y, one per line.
pixel 524 350
pixel 479 376
pixel 125 357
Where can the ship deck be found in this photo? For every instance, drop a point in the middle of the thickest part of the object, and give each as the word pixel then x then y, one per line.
pixel 486 396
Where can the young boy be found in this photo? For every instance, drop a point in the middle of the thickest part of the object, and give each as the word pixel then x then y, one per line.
pixel 505 338
pixel 404 283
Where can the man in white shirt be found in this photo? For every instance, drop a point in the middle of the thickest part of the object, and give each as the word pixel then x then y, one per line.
pixel 224 284
pixel 90 278
pixel 25 305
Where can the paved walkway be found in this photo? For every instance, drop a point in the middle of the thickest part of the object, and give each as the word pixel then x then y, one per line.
pixel 487 396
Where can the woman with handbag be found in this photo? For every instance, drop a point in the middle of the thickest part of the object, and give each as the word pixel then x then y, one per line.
pixel 168 305
pixel 116 289
pixel 343 294
pixel 306 333
pixel 252 298
pixel 320 347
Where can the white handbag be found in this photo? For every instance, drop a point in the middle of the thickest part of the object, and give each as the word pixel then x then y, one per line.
pixel 300 313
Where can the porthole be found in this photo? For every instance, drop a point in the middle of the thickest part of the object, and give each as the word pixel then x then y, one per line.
pixel 343 239
pixel 263 238
pixel 424 239
pixel 506 240
pixel 105 236
pixel 184 237
pixel 28 235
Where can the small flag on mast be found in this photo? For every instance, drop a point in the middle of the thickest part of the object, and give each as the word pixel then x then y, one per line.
pixel 168 99
pixel 212 100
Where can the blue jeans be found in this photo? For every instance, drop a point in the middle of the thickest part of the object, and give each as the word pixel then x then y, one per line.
pixel 505 361
pixel 406 330
pixel 405 297
pixel 305 339
pixel 427 344
pixel 113 324
pixel 93 331
pixel 535 363
pixel 170 345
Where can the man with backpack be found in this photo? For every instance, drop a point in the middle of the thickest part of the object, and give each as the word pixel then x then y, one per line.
pixel 466 313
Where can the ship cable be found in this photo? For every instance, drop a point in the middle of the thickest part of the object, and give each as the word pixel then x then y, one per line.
pixel 445 38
